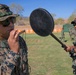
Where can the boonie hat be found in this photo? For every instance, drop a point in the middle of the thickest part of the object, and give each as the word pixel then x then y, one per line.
pixel 5 12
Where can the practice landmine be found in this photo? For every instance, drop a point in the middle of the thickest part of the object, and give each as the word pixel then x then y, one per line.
pixel 42 23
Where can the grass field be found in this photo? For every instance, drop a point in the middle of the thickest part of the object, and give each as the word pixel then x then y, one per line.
pixel 47 57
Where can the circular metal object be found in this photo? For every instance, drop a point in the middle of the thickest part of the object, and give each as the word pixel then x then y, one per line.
pixel 41 22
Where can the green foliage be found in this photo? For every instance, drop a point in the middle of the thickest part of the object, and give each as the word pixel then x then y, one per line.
pixel 59 21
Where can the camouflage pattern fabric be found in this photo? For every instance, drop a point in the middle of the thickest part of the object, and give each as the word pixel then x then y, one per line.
pixel 73 56
pixel 12 63
pixel 72 33
pixel 5 12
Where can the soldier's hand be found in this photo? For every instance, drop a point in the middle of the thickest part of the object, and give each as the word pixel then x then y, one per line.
pixel 69 48
pixel 13 41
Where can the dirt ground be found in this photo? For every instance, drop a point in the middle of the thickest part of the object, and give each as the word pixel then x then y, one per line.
pixel 23 27
pixel 28 28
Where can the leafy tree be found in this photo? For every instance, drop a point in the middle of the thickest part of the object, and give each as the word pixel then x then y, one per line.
pixel 59 21
pixel 16 8
pixel 71 18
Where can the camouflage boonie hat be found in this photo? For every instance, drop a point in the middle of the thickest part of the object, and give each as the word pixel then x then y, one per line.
pixel 5 12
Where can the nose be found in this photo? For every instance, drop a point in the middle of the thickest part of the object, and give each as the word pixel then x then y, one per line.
pixel 11 25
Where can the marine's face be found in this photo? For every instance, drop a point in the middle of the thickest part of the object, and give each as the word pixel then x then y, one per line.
pixel 5 28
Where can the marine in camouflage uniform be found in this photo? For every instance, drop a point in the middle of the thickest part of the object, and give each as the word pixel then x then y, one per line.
pixel 73 52
pixel 12 63
pixel 72 49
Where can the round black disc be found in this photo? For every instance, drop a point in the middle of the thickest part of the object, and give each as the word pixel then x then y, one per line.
pixel 41 22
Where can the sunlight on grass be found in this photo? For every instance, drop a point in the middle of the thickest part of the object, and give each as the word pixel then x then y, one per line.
pixel 47 57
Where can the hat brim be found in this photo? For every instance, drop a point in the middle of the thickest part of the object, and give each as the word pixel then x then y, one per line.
pixel 5 17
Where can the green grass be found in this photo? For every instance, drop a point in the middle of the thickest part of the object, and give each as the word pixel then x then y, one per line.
pixel 47 57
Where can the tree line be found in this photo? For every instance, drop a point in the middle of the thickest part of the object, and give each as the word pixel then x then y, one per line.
pixel 18 9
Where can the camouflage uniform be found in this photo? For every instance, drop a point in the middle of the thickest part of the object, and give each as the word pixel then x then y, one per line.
pixel 73 56
pixel 12 63
pixel 72 33
pixel 72 52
